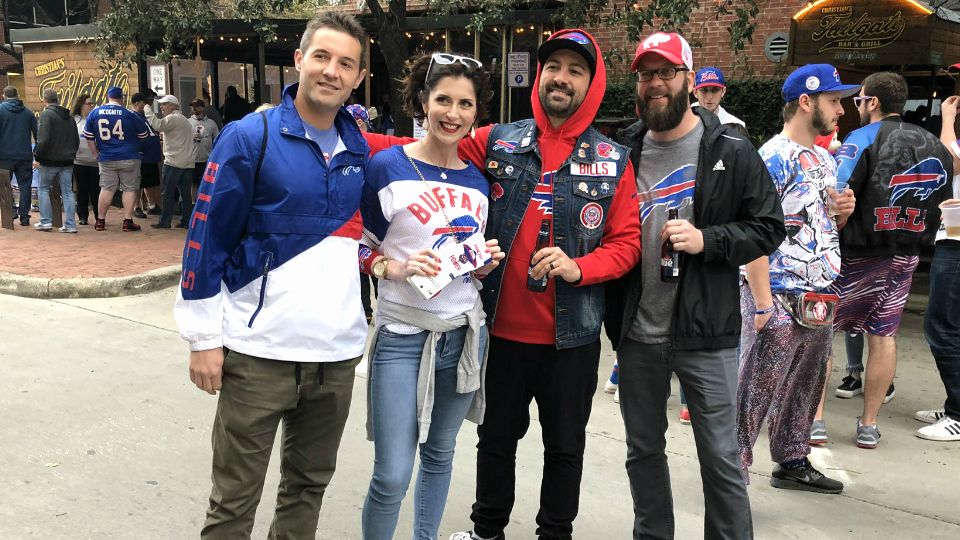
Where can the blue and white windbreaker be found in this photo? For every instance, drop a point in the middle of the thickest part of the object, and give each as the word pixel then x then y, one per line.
pixel 270 269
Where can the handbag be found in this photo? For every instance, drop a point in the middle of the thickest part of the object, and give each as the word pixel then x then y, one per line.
pixel 810 309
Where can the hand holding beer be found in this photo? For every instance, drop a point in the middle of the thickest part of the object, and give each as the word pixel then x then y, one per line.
pixel 950 212
pixel 683 235
pixel 552 262
pixel 841 204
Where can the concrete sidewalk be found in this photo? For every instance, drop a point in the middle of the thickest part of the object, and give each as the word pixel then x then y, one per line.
pixel 105 437
pixel 90 263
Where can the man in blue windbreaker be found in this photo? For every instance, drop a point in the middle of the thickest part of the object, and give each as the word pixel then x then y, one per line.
pixel 270 296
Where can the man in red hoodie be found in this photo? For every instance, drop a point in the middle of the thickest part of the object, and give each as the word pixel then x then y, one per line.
pixel 553 172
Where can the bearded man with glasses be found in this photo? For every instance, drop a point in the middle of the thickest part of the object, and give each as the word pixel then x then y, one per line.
pixel 729 214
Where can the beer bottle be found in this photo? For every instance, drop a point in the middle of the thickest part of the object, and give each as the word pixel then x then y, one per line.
pixel 670 261
pixel 543 240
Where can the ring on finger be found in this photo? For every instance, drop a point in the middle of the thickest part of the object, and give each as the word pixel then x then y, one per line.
pixel 552 265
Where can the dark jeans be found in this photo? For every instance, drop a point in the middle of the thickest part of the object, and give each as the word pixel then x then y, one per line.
pixel 563 383
pixel 23 170
pixel 709 378
pixel 88 190
pixel 176 179
pixel 941 325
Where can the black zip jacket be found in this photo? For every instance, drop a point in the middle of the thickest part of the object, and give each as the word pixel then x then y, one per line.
pixel 57 138
pixel 737 209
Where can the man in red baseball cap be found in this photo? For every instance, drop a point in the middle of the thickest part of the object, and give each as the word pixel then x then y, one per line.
pixel 689 325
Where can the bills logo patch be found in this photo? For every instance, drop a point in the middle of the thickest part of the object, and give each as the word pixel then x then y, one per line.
pixel 496 191
pixel 923 179
pixel 604 149
pixel 591 216
pixel 507 146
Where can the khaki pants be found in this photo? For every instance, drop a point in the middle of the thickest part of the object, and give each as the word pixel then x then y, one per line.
pixel 313 401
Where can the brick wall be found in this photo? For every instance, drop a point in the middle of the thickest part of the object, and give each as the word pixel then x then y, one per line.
pixel 714 39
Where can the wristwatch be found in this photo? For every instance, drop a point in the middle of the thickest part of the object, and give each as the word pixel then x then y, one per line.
pixel 379 268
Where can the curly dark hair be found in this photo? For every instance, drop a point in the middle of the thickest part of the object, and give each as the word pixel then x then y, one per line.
pixel 416 87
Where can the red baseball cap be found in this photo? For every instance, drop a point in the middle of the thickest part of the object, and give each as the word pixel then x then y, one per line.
pixel 954 68
pixel 671 46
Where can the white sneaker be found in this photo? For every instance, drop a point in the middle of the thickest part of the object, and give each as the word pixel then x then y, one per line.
pixel 67 230
pixel 610 387
pixel 464 535
pixel 947 429
pixel 930 417
pixel 616 396
pixel 43 226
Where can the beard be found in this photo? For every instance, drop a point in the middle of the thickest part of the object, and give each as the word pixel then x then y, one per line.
pixel 819 122
pixel 554 109
pixel 670 116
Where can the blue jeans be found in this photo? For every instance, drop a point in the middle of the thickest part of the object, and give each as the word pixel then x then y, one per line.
pixel 941 325
pixel 64 176
pixel 23 170
pixel 393 410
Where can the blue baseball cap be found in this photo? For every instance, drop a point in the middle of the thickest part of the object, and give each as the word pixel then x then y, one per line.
pixel 115 92
pixel 813 79
pixel 709 76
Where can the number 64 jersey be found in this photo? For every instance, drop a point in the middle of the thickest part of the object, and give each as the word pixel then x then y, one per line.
pixel 116 131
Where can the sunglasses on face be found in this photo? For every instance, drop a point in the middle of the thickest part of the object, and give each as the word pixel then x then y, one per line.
pixel 447 59
pixel 664 73
pixel 859 100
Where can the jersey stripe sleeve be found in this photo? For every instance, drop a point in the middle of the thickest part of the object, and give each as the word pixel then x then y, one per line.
pixel 226 194
pixel 851 153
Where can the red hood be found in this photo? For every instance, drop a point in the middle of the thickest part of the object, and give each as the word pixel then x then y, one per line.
pixel 584 115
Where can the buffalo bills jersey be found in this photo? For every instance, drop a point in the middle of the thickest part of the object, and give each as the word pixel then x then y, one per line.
pixel 899 173
pixel 117 132
pixel 809 257
pixel 403 214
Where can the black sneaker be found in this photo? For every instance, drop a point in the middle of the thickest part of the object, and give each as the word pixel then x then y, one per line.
pixel 891 392
pixel 24 221
pixel 805 478
pixel 139 213
pixel 155 211
pixel 849 387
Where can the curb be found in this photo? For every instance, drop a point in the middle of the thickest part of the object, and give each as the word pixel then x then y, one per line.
pixel 34 287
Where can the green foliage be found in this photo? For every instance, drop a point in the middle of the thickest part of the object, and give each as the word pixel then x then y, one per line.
pixel 674 15
pixel 619 100
pixel 758 103
pixel 177 23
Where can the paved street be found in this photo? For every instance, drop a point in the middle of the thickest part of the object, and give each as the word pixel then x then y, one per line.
pixel 103 436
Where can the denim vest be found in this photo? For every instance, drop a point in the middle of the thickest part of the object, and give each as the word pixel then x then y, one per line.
pixel 583 189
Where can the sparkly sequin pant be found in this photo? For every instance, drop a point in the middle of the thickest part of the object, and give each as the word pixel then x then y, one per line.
pixel 782 373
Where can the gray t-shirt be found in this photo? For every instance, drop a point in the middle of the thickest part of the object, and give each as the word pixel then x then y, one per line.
pixel 666 176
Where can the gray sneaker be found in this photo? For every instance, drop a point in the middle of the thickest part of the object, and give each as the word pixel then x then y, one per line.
pixel 818 433
pixel 867 436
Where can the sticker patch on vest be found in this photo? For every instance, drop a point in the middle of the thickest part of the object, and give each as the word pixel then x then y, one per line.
pixel 606 150
pixel 496 191
pixel 591 216
pixel 507 146
pixel 598 168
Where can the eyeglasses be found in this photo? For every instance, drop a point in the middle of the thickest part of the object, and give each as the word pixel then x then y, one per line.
pixel 447 59
pixel 858 100
pixel 664 73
